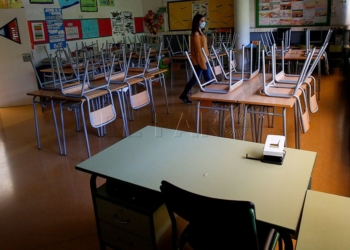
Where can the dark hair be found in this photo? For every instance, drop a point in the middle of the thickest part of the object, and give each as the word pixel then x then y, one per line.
pixel 195 23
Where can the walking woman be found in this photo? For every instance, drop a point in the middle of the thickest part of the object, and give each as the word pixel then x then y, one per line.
pixel 198 41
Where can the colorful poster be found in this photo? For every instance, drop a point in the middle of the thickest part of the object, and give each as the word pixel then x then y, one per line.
pixel 106 2
pixel 54 21
pixel 38 32
pixel 89 28
pixel 67 3
pixel 72 29
pixel 72 33
pixel 11 31
pixel 292 12
pixel 40 1
pixel 88 6
pixel 11 4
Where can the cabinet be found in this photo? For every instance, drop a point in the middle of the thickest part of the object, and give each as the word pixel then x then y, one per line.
pixel 128 216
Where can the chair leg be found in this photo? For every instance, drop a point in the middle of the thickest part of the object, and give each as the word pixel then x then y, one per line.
pixel 198 116
pixel 232 122
pixel 162 80
pixel 244 121
pixel 62 127
pixel 36 123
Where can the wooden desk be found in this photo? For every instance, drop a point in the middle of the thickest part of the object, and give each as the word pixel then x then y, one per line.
pixel 325 222
pixel 210 166
pixel 249 93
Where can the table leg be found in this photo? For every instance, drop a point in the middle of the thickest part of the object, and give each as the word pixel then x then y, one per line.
pixel 149 82
pixel 63 132
pixel 319 80
pixel 85 130
pixel 123 111
pixel 284 125
pixel 221 123
pixel 36 123
pixel 245 121
pixel 162 80
pixel 171 75
pixel 56 127
pixel 198 115
pixel 297 128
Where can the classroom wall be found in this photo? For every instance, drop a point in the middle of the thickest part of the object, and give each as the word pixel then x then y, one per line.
pixel 17 77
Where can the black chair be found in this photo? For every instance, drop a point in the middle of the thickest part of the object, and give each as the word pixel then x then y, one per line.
pixel 216 223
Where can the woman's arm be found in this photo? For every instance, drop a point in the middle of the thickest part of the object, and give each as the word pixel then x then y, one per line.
pixel 197 50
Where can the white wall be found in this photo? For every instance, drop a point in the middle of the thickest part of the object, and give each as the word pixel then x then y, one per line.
pixel 16 77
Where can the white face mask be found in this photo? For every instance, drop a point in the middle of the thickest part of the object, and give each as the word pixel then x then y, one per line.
pixel 202 25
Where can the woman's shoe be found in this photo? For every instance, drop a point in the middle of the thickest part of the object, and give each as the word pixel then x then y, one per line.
pixel 185 99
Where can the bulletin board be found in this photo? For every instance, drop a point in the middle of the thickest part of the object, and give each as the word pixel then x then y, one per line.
pixel 180 15
pixel 218 13
pixel 292 13
pixel 221 14
pixel 74 29
pixel 104 27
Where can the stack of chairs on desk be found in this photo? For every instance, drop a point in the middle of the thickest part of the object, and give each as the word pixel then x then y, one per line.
pixel 272 88
pixel 216 86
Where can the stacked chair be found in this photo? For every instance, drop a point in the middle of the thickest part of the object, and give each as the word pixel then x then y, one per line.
pixel 216 86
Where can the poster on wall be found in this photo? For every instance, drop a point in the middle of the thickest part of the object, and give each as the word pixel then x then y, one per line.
pixel 11 31
pixel 11 4
pixel 67 3
pixel 89 28
pixel 292 13
pixel 117 23
pixel 129 25
pixel 54 21
pixel 40 1
pixel 88 6
pixel 38 32
pixel 106 2
pixel 72 29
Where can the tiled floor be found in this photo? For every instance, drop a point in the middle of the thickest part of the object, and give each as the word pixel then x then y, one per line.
pixel 46 204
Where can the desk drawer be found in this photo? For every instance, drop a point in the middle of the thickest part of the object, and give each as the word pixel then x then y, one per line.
pixel 121 239
pixel 124 218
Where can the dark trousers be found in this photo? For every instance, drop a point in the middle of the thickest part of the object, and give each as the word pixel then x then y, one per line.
pixel 192 82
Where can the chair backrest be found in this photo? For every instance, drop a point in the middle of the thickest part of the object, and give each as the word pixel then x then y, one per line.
pixel 49 84
pixel 272 83
pixel 222 87
pixel 153 66
pixel 182 47
pixel 215 223
pixel 220 69
pixel 75 89
pixel 266 44
pixel 250 72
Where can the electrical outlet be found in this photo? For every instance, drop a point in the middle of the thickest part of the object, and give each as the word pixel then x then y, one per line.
pixel 40 48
